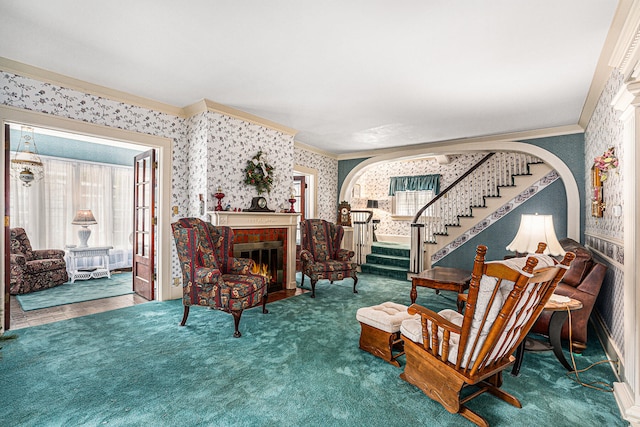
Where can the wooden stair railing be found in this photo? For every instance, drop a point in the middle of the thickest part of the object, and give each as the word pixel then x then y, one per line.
pixel 483 179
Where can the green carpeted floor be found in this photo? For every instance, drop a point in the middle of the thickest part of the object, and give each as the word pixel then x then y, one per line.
pixel 299 365
pixel 80 290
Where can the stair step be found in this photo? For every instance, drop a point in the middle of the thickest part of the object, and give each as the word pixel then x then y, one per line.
pixel 389 260
pixel 388 248
pixel 385 270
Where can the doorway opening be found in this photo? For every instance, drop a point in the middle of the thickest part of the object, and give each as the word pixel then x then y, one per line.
pixel 111 138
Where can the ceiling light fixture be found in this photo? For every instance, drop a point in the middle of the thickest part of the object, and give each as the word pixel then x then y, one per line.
pixel 26 164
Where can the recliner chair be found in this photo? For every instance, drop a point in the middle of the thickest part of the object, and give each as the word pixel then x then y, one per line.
pixel 34 270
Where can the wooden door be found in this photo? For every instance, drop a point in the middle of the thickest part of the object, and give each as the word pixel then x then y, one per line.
pixel 301 192
pixel 7 231
pixel 144 223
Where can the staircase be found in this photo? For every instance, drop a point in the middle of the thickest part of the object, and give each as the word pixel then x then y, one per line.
pixel 483 189
pixel 388 260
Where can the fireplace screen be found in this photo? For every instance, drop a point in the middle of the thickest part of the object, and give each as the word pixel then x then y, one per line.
pixel 268 257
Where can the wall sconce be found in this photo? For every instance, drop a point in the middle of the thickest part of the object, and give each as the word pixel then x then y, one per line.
pixel 26 164
pixel 533 230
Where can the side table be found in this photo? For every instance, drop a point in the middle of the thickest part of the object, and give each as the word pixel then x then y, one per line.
pixel 76 253
pixel 441 279
pixel 560 314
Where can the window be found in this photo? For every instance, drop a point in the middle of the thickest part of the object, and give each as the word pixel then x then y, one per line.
pixel 407 203
pixel 411 193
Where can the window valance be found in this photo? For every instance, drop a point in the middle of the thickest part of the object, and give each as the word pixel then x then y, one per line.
pixel 414 183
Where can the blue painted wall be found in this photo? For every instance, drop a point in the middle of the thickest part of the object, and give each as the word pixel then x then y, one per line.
pixel 551 201
pixel 344 167
pixel 54 146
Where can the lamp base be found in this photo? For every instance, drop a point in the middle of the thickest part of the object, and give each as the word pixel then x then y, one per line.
pixel 83 235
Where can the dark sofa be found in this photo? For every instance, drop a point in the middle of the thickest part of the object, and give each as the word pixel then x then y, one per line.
pixel 581 282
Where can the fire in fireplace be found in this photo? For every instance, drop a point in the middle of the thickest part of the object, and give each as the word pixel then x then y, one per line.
pixel 268 257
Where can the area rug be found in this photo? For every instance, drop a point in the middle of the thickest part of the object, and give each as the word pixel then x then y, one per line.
pixel 299 365
pixel 81 290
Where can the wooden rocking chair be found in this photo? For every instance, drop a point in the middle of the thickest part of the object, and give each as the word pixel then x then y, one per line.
pixel 448 351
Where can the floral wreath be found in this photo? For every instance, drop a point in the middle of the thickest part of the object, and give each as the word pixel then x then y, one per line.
pixel 606 161
pixel 258 173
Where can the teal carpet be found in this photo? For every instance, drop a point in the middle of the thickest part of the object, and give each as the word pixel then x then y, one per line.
pixel 299 365
pixel 81 290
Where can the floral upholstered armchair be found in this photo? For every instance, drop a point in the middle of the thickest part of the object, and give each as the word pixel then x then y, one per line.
pixel 34 270
pixel 321 255
pixel 211 276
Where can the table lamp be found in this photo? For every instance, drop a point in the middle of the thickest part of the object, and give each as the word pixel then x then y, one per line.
pixel 533 230
pixel 84 218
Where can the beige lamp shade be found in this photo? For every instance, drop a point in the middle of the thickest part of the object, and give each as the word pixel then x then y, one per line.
pixel 84 217
pixel 533 230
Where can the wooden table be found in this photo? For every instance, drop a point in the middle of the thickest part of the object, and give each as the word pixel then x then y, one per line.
pixel 441 279
pixel 559 316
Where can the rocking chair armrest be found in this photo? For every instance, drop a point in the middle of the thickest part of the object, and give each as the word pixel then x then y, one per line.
pixel 435 318
pixel 344 255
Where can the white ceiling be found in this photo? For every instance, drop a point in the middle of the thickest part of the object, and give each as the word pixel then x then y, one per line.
pixel 348 75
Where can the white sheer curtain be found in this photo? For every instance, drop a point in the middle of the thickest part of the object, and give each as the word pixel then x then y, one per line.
pixel 45 210
pixel 409 202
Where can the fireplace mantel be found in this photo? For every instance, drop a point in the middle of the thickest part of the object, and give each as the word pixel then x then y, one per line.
pixel 261 220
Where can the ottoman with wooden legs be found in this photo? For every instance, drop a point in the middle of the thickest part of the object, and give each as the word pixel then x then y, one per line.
pixel 380 334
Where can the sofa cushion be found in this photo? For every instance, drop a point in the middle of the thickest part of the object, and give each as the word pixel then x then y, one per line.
pixel 580 266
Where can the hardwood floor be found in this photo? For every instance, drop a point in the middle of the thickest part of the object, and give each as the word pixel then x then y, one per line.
pixel 22 319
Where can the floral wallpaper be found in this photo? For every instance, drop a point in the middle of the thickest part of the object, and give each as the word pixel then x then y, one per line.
pixel 606 234
pixel 231 143
pixel 209 149
pixel 327 168
pixel 603 132
pixel 374 184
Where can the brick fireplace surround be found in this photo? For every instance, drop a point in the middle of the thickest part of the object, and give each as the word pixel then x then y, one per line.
pixel 264 226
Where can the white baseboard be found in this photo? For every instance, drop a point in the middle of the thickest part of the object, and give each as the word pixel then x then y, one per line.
pixel 622 392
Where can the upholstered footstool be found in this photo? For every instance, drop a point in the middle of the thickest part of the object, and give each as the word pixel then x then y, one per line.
pixel 380 333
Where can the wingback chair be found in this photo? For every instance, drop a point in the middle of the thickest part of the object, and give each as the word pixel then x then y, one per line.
pixel 449 351
pixel 321 255
pixel 34 270
pixel 211 276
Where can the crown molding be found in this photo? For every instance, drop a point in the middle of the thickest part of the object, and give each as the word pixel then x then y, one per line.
pixel 506 137
pixel 626 52
pixel 610 50
pixel 303 146
pixel 51 77
pixel 86 87
pixel 214 107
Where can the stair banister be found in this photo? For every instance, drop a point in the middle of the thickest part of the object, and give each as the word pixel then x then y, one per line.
pixel 418 249
pixel 453 184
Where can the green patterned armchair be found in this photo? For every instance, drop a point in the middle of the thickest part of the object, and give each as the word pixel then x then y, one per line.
pixel 211 276
pixel 321 255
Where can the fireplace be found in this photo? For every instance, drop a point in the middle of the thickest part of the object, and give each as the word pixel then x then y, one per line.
pixel 271 230
pixel 268 257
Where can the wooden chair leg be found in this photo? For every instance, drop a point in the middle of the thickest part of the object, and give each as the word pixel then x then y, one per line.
pixel 236 321
pixel 313 288
pixel 185 315
pixel 355 282
pixel 264 304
